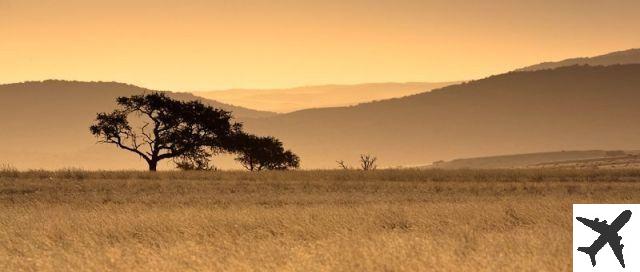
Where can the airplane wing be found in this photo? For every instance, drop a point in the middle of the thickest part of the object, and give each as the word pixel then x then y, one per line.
pixel 617 249
pixel 597 226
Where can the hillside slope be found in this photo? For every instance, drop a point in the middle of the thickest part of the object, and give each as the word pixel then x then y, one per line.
pixel 527 160
pixel 288 100
pixel 45 124
pixel 630 161
pixel 631 56
pixel 570 108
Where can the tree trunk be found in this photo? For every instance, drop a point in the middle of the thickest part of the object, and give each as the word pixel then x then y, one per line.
pixel 153 165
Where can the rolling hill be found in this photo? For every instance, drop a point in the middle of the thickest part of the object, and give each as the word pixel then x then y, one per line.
pixel 288 100
pixel 530 159
pixel 631 56
pixel 630 161
pixel 568 108
pixel 45 124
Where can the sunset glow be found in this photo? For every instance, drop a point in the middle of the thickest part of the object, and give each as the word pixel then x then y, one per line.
pixel 208 45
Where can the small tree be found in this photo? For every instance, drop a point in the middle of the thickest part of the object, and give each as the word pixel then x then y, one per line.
pixel 368 162
pixel 343 165
pixel 259 153
pixel 167 128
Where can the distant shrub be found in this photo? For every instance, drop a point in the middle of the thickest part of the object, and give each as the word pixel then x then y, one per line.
pixel 196 162
pixel 343 165
pixel 8 170
pixel 71 173
pixel 368 162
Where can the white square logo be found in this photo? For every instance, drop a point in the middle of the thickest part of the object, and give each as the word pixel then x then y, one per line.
pixel 606 237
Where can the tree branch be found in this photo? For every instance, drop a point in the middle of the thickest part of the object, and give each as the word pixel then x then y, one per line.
pixel 118 142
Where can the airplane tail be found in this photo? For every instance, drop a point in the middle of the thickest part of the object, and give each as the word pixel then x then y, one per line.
pixel 591 253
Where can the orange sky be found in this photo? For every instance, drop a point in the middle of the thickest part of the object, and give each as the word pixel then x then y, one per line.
pixel 204 45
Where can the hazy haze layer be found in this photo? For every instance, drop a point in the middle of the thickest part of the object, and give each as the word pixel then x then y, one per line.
pixel 288 100
pixel 206 45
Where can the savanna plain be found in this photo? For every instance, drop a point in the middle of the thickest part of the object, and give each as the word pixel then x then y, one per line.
pixel 329 220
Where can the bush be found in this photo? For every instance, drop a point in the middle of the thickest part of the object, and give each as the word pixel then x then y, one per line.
pixel 7 170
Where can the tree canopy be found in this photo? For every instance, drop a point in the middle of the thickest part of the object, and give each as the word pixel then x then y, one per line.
pixel 264 153
pixel 156 127
pixel 165 128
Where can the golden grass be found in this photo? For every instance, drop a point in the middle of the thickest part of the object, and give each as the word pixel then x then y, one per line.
pixel 390 220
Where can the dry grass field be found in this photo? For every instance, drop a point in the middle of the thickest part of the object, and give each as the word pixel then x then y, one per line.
pixel 386 220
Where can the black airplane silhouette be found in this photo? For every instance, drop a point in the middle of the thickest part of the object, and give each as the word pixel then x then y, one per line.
pixel 608 234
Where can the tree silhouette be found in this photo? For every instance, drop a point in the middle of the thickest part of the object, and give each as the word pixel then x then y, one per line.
pixel 343 165
pixel 368 162
pixel 259 153
pixel 166 128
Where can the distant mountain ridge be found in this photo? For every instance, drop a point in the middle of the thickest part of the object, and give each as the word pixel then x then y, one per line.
pixel 631 56
pixel 321 96
pixel 568 108
pixel 102 90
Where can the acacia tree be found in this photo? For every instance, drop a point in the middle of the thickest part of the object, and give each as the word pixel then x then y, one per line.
pixel 264 153
pixel 166 128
